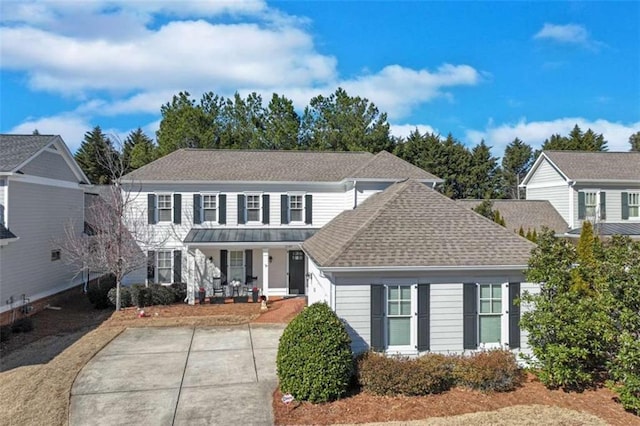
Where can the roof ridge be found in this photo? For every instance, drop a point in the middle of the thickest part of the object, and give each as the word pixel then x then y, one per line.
pixel 301 151
pixel 371 218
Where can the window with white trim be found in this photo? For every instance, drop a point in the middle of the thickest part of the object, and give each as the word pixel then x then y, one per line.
pixel 209 207
pixel 236 266
pixel 296 208
pixel 590 204
pixel 254 208
pixel 165 266
pixel 634 205
pixel 164 207
pixel 490 313
pixel 399 315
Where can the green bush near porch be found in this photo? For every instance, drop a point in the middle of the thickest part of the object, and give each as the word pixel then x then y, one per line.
pixel 314 361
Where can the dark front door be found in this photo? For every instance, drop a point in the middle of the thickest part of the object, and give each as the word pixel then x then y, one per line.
pixel 296 272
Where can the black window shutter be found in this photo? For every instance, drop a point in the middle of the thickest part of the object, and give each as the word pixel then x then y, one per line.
pixel 151 265
pixel 308 209
pixel 151 208
pixel 284 209
pixel 581 207
pixel 265 209
pixel 514 316
pixel 423 316
pixel 222 209
pixel 625 205
pixel 248 264
pixel 241 210
pixel 177 266
pixel 197 209
pixel 603 205
pixel 223 265
pixel 177 209
pixel 377 318
pixel 470 316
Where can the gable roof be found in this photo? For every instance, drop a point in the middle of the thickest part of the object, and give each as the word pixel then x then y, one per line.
pixel 528 214
pixel 16 149
pixel 275 166
pixel 587 166
pixel 411 225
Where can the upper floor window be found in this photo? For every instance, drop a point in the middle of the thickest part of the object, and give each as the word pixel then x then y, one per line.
pixel 590 203
pixel 296 208
pixel 253 208
pixel 634 204
pixel 164 208
pixel 209 207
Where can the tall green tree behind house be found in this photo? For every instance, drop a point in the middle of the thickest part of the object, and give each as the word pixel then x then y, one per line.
pixel 242 122
pixel 341 122
pixel 516 162
pixel 138 149
pixel 576 141
pixel 483 175
pixel 95 155
pixel 634 141
pixel 281 124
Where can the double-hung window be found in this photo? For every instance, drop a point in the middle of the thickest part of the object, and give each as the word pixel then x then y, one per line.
pixel 236 266
pixel 634 205
pixel 165 267
pixel 254 208
pixel 164 208
pixel 399 315
pixel 209 207
pixel 490 313
pixel 296 208
pixel 590 204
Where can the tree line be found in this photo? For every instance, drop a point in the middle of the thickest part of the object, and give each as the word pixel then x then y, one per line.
pixel 338 122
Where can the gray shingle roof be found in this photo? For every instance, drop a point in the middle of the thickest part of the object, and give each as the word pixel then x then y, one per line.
pixel 597 166
pixel 411 225
pixel 5 233
pixel 275 166
pixel 248 235
pixel 15 149
pixel 528 214
pixel 632 229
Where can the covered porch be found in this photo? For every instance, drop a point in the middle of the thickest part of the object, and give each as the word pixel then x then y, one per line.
pixel 241 259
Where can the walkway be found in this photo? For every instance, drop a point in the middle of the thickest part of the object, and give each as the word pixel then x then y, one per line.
pixel 180 376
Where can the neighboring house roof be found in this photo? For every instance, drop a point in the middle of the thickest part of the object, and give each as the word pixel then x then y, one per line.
pixel 411 225
pixel 528 214
pixel 276 166
pixel 5 233
pixel 608 229
pixel 589 166
pixel 248 235
pixel 16 149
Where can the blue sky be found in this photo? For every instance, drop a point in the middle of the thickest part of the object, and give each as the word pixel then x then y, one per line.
pixel 478 70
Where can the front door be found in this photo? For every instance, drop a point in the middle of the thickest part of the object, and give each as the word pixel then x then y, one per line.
pixel 296 272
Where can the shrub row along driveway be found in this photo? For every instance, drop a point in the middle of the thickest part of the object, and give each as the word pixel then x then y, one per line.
pixel 179 375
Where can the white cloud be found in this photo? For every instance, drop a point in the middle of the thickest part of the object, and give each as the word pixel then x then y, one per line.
pixel 568 34
pixel 404 130
pixel 535 132
pixel 71 127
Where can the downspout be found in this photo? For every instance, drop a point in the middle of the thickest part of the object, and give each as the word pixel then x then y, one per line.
pixel 355 193
pixel 571 207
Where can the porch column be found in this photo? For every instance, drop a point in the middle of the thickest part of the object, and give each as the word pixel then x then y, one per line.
pixel 265 271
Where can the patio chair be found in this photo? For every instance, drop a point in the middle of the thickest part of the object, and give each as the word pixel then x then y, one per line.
pixel 218 287
pixel 248 284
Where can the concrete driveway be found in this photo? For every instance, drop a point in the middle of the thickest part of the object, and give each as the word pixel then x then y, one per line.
pixel 180 376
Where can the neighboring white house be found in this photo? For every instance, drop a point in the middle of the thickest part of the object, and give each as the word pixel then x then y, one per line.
pixel 411 270
pixel 241 216
pixel 603 187
pixel 40 192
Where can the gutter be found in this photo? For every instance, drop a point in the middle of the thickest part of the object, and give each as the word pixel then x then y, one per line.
pixel 423 268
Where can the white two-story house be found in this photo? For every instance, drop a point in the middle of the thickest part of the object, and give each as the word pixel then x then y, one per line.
pixel 603 187
pixel 41 192
pixel 241 216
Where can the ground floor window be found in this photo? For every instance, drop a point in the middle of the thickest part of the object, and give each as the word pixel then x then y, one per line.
pixel 399 315
pixel 490 313
pixel 236 266
pixel 165 267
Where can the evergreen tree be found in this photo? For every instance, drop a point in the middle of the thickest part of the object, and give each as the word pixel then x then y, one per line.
pixel 138 149
pixel 96 156
pixel 516 162
pixel 576 141
pixel 482 177
pixel 634 141
pixel 282 124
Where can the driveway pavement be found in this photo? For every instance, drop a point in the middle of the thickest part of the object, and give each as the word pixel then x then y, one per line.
pixel 180 376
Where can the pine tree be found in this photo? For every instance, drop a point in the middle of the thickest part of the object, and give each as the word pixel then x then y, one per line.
pixel 94 155
pixel 138 149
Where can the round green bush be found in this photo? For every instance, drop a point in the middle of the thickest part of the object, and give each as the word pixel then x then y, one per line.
pixel 179 291
pixel 314 360
pixel 161 295
pixel 125 297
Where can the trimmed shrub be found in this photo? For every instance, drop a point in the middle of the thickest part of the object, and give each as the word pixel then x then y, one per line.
pixel 98 291
pixel 314 360
pixel 5 333
pixel 495 370
pixel 382 375
pixel 125 297
pixel 22 325
pixel 625 369
pixel 179 291
pixel 161 295
pixel 140 295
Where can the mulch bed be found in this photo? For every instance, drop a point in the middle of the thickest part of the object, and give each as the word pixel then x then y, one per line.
pixel 366 408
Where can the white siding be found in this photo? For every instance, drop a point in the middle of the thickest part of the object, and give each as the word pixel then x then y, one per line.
pixel 446 318
pixel 49 165
pixel 545 174
pixel 353 305
pixel 367 189
pixel 531 288
pixel 613 201
pixel 319 285
pixel 558 196
pixel 38 215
